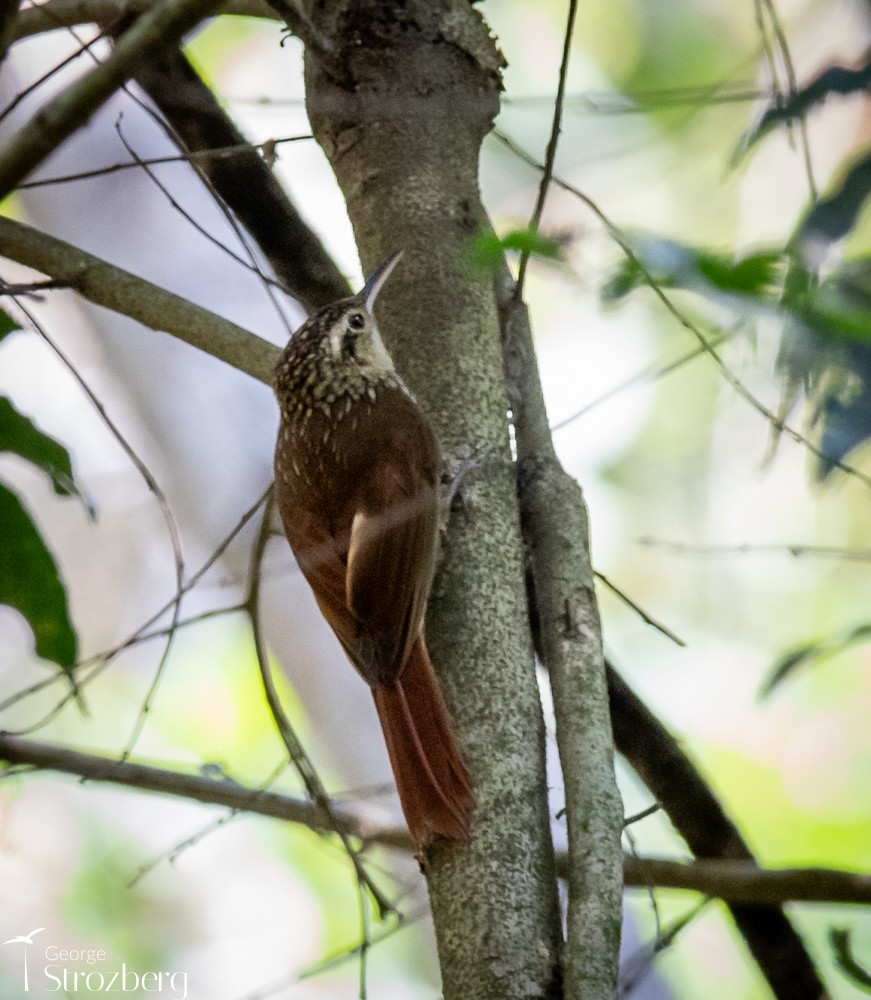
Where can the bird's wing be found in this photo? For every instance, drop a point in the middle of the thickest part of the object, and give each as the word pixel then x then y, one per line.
pixel 391 557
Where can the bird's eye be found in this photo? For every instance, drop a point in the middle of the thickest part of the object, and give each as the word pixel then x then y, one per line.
pixel 356 321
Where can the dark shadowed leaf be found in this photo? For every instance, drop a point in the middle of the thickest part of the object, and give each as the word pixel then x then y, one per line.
pixel 20 436
pixel 825 351
pixel 834 80
pixel 833 217
pixel 29 582
pixel 826 348
pixel 7 325
pixel 839 939
pixel 788 663
pixel 845 409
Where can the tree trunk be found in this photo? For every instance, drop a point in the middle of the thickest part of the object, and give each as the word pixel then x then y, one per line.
pixel 401 106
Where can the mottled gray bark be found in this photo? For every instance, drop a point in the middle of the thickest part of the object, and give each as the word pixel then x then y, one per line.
pixel 401 108
pixel 555 527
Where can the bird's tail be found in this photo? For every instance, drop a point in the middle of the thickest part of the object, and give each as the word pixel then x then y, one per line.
pixel 435 788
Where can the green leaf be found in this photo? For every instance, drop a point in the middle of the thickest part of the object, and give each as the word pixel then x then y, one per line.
pixel 754 274
pixel 840 306
pixel 7 325
pixel 20 436
pixel 489 249
pixel 676 265
pixel 29 582
pixel 627 277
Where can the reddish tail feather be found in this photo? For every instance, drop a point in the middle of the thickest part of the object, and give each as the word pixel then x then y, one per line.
pixel 435 788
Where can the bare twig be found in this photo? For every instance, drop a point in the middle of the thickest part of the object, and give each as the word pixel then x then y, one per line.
pixel 56 68
pixel 57 14
pixel 117 289
pixel 153 487
pixel 550 152
pixel 797 551
pixel 792 81
pixel 697 815
pixel 642 614
pixel 706 342
pixel 638 379
pixel 100 661
pixel 245 183
pixel 298 755
pixel 163 24
pixel 223 152
pixel 641 962
pixel 249 261
pixel 175 852
pixel 734 880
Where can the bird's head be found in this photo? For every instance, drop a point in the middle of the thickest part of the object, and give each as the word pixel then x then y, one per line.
pixel 343 337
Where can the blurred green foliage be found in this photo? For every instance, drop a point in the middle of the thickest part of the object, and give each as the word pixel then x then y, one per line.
pixel 29 577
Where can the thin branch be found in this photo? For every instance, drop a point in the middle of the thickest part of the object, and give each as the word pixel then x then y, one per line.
pixel 195 787
pixel 798 551
pixel 22 95
pixel 245 183
pixel 67 13
pixel 222 152
pixel 249 261
pixel 697 815
pixel 792 81
pixel 165 23
pixel 643 814
pixel 651 888
pixel 337 958
pixel 154 488
pixel 642 614
pixel 623 102
pixel 734 880
pixel 100 661
pixel 639 378
pixel 706 344
pixel 154 307
pixel 641 962
pixel 741 883
pixel 550 152
pixel 32 288
pixel 298 755
pixel 175 852
pixel 555 528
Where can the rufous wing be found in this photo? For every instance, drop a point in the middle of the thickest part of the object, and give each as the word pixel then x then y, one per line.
pixel 391 559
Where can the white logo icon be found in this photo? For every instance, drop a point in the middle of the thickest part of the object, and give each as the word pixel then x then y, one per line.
pixel 25 939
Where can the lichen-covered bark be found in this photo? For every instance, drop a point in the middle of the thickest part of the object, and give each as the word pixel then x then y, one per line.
pixel 555 527
pixel 400 104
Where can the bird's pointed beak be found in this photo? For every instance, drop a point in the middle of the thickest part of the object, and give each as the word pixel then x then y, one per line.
pixel 376 282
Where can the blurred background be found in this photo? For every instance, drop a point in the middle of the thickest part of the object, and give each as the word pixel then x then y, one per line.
pixel 694 514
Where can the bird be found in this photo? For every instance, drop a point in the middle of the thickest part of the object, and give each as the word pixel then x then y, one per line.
pixel 357 474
